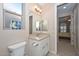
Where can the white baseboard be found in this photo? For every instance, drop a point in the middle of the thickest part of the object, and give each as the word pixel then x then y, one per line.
pixel 53 52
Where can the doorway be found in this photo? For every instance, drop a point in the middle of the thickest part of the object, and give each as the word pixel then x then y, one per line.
pixel 65 45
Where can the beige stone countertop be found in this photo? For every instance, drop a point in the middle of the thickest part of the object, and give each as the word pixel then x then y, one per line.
pixel 38 36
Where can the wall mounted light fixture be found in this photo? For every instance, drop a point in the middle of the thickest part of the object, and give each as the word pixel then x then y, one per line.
pixel 37 9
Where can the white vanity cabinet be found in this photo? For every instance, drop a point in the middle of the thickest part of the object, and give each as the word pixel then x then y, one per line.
pixel 39 47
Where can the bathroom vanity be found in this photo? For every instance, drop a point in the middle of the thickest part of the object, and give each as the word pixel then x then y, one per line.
pixel 38 36
pixel 38 44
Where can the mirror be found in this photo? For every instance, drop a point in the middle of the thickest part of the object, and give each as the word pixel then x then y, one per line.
pixel 41 25
pixel 37 23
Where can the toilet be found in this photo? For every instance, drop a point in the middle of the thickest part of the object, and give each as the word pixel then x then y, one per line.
pixel 17 49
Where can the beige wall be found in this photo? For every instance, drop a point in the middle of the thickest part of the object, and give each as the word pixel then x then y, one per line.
pixel 76 28
pixel 49 14
pixel 74 33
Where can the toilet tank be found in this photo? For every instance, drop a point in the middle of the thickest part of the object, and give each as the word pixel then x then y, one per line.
pixel 17 49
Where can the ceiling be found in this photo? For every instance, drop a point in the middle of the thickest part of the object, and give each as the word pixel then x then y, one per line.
pixel 66 7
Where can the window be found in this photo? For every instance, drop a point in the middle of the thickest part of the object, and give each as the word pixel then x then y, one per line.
pixel 14 7
pixel 62 27
pixel 12 16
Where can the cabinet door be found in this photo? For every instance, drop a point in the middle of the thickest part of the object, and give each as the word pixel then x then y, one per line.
pixel 44 46
pixel 35 48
